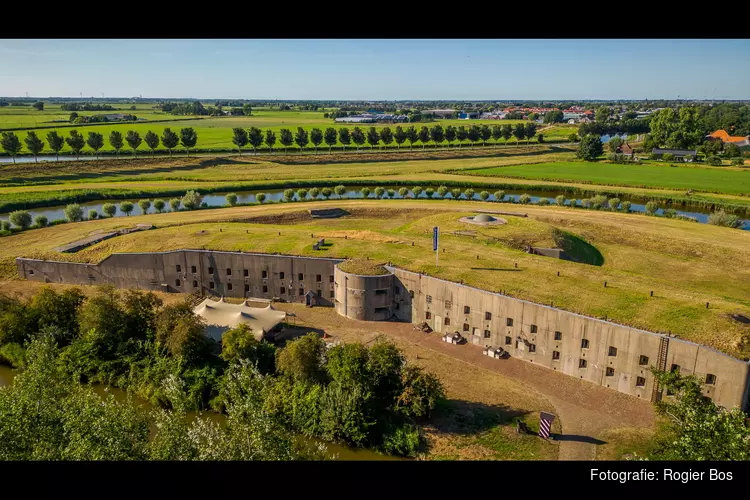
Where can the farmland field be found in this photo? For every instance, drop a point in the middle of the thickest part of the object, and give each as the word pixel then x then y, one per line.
pixel 710 179
pixel 216 132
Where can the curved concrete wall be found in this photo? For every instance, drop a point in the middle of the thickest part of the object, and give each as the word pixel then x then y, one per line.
pixel 368 298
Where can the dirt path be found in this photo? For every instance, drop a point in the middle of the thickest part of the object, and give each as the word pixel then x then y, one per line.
pixel 584 410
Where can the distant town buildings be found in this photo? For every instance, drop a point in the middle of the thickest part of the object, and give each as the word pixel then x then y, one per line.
pixel 723 136
pixel 468 115
pixel 373 118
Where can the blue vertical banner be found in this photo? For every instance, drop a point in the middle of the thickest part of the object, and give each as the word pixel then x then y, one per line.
pixel 435 238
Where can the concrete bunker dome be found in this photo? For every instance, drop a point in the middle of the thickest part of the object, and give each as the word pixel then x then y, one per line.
pixel 482 219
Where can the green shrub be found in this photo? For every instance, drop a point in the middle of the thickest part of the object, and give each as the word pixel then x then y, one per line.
pixel 302 193
pixel 192 200
pixel 598 201
pixel 651 207
pixel 738 162
pixel 714 161
pixel 73 212
pixel 667 157
pixel 586 203
pixel 417 190
pixel 670 213
pixel 469 193
pixel 365 192
pixel 625 206
pixel 543 201
pixel 379 192
pixel 524 198
pixel 109 209
pixel 288 194
pixel 145 205
pixel 442 191
pixel 404 441
pixel 40 221
pixel 326 192
pixel 613 203
pixel 484 195
pixel 231 199
pixel 499 195
pixel 126 207
pixel 340 190
pixel 93 214
pixel 391 193
pixel 455 193
pixel 429 192
pixel 560 200
pixel 20 218
pixel 13 354
pixel 261 197
pixel 403 192
pixel 721 218
pixel 314 193
pixel 159 205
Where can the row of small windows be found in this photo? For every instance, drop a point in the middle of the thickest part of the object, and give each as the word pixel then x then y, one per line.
pixel 264 274
pixel 230 287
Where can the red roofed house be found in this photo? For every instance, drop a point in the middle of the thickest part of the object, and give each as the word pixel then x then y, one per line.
pixel 728 139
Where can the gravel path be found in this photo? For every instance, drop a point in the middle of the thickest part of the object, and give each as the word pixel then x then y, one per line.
pixel 584 410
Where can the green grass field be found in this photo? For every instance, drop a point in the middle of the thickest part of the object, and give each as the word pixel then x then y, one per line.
pixel 216 132
pixel 685 264
pixel 652 175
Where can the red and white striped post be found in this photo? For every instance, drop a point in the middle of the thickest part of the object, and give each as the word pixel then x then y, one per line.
pixel 545 424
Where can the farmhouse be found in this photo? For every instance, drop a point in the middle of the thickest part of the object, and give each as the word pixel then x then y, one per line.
pixel 681 154
pixel 723 136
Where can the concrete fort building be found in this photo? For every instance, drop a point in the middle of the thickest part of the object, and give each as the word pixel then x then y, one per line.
pixel 598 351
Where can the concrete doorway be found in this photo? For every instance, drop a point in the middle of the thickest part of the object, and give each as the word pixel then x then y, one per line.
pixel 438 324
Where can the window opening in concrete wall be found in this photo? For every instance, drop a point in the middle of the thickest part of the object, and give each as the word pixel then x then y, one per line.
pixel 210 270
pixel 555 355
pixel 487 334
pixel 265 288
pixel 264 274
pixel 334 293
pixel 532 347
pixel 710 379
pixel 195 284
pixel 300 276
pixel 532 328
pixel 584 343
pixel 487 316
pixel 429 299
pixel 245 273
pixel 382 291
pixel 508 321
pixel 301 291
pixel 610 371
pixel 558 335
pixel 411 293
pixel 640 381
pixel 643 360
pixel 675 368
pixel 582 363
pixel 177 282
pixel 612 351
pixel 229 287
pixel 282 290
pixel 330 278
pixel 211 285
pixel 320 292
pixel 318 278
pixel 193 269
pixel 247 288
pixel 467 310
pixel 448 304
pixel 281 275
pixel 179 268
pixel 229 272
pixel 466 327
pixel 428 315
pixel 447 322
pixel 508 340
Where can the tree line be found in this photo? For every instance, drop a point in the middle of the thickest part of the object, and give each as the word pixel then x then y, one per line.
pixel 11 144
pixel 256 138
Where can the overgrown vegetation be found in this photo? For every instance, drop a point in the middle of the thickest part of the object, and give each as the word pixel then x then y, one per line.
pixel 362 396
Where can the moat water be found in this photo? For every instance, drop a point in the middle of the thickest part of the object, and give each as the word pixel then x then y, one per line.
pixel 243 197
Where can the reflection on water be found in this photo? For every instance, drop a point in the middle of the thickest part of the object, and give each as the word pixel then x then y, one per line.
pixel 341 452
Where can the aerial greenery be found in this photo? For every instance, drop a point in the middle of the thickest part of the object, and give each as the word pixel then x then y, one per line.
pixel 364 396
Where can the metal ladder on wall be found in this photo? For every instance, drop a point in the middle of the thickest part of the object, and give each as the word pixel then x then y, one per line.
pixel 661 365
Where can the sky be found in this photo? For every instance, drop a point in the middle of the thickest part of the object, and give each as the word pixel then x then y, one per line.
pixel 378 69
